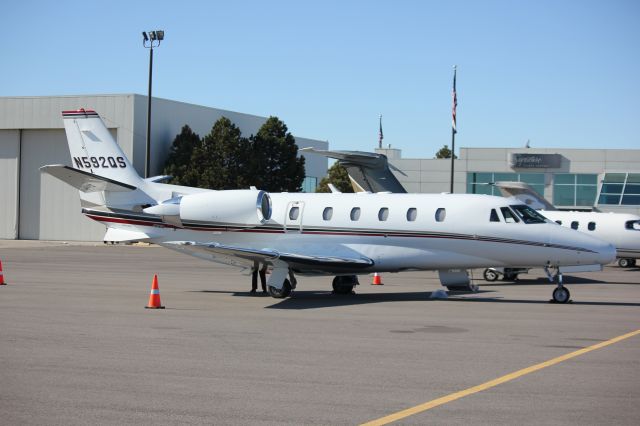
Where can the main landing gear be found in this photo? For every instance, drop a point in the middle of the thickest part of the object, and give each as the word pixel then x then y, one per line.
pixel 343 284
pixel 560 294
pixel 626 263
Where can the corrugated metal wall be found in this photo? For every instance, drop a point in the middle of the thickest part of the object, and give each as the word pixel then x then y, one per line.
pixel 49 208
pixel 9 154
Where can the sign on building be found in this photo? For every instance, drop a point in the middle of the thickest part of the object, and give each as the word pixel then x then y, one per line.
pixel 536 161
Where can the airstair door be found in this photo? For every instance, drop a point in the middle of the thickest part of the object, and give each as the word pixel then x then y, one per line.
pixel 293 218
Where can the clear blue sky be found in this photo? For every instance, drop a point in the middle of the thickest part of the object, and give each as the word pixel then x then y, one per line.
pixel 560 73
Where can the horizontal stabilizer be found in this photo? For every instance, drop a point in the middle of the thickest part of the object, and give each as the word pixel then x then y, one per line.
pixel 84 181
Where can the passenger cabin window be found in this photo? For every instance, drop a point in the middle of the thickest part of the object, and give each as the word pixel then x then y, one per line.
pixel 355 213
pixel 494 216
pixel 509 216
pixel 527 214
pixel 591 226
pixel 575 224
pixel 327 213
pixel 441 214
pixel 294 213
pixel 412 213
pixel 633 225
pixel 559 222
pixel 383 214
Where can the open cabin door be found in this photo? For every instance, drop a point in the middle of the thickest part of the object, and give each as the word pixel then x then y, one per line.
pixel 293 218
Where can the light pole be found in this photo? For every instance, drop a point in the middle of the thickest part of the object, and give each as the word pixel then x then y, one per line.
pixel 150 40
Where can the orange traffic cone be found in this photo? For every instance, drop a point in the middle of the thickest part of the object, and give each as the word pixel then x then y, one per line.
pixel 154 297
pixel 1 276
pixel 376 279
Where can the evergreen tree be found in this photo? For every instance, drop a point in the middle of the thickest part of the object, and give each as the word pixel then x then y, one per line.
pixel 445 152
pixel 222 157
pixel 178 164
pixel 338 176
pixel 273 162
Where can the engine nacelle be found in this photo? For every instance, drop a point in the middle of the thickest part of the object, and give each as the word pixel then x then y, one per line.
pixel 238 207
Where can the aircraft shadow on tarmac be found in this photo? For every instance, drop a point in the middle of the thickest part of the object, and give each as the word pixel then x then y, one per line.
pixel 324 299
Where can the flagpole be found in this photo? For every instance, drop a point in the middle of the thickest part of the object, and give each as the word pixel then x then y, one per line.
pixel 453 126
pixel 380 134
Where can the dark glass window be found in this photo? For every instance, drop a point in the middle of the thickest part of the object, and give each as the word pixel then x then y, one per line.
pixel 327 214
pixel 591 226
pixel 355 213
pixel 575 224
pixel 412 213
pixel 383 214
pixel 494 216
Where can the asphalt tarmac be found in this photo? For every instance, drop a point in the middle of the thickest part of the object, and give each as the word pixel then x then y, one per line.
pixel 78 347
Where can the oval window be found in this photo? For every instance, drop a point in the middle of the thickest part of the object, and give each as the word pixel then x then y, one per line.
pixel 591 226
pixel 355 213
pixel 294 213
pixel 327 214
pixel 574 225
pixel 441 213
pixel 412 213
pixel 383 214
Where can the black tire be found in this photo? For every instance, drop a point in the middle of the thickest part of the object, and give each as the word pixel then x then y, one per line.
pixel 490 275
pixel 624 263
pixel 280 293
pixel 343 284
pixel 561 295
pixel 633 262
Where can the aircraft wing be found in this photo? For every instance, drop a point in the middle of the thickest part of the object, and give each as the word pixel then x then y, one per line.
pixel 243 257
pixel 84 181
pixel 525 193
pixel 368 171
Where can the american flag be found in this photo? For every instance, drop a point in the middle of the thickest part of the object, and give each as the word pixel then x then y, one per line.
pixel 455 102
pixel 380 136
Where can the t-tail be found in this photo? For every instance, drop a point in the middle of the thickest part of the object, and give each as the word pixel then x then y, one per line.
pixel 99 169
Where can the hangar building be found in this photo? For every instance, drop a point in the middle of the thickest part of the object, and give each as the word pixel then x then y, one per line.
pixel 571 179
pixel 39 207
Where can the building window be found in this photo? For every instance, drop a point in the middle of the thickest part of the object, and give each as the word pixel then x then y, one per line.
pixel 383 214
pixel 309 184
pixel 591 226
pixel 441 214
pixel 620 189
pixel 479 182
pixel 412 213
pixel 575 224
pixel 572 189
pixel 355 213
pixel 327 213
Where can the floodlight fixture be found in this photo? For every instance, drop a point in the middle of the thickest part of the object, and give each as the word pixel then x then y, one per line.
pixel 150 39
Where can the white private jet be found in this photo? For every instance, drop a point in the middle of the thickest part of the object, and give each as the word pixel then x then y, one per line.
pixel 620 229
pixel 343 235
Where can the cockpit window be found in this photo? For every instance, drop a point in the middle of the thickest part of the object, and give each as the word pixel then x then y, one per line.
pixel 527 214
pixel 494 216
pixel 633 225
pixel 509 216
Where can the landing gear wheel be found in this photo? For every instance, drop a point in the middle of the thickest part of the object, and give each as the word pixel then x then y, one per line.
pixel 561 295
pixel 344 284
pixel 280 293
pixel 490 275
pixel 624 263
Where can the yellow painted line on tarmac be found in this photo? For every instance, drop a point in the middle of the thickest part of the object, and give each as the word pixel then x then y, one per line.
pixel 492 383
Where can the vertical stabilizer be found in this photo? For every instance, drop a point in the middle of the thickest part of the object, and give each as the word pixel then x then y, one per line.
pixel 93 149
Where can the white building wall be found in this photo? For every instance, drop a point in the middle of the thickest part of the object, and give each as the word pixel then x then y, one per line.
pixel 9 174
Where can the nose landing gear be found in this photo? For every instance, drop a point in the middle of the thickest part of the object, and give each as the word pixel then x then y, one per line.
pixel 560 294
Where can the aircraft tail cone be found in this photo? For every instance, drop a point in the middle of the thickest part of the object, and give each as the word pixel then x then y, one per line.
pixel 376 279
pixel 154 297
pixel 1 276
